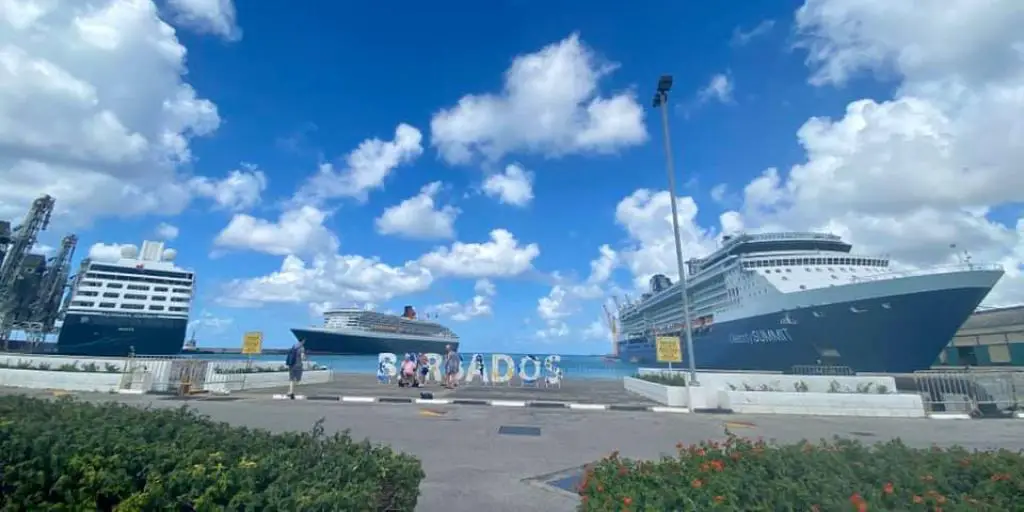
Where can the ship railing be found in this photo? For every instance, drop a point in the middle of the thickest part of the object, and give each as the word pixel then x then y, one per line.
pixel 938 269
pixel 980 392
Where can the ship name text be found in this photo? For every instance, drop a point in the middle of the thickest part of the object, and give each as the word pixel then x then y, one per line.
pixel 760 336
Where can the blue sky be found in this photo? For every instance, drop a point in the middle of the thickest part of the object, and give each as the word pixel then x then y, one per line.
pixel 280 93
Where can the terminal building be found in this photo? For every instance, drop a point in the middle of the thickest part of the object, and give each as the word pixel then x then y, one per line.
pixel 990 337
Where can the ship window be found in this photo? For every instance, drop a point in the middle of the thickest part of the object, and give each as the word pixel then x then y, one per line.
pixel 784 278
pixel 115 285
pixel 132 306
pixel 88 293
pixel 156 308
pixel 90 283
pixel 834 276
pixel 789 270
pixel 182 310
pixel 158 298
pixel 138 287
pixel 817 270
pixel 181 290
pixel 82 303
pixel 807 269
pixel 179 299
pixel 160 289
pixel 111 295
pixel 106 304
pixel 842 269
pixel 134 296
pixel 802 287
pixel 831 269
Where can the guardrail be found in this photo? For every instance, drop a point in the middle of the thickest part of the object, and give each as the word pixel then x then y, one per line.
pixel 986 393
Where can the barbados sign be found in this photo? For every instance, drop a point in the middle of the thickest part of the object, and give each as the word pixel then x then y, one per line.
pixel 502 369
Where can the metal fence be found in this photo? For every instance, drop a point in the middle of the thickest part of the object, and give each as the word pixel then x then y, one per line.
pixel 979 392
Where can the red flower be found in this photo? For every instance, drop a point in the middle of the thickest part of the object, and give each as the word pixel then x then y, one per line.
pixel 696 484
pixel 719 499
pixel 627 501
pixel 887 488
pixel 918 499
pixel 718 465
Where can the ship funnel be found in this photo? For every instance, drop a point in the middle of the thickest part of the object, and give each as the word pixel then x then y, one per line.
pixel 409 313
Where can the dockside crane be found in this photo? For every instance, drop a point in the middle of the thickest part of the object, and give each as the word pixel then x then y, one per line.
pixel 613 326
pixel 46 309
pixel 19 243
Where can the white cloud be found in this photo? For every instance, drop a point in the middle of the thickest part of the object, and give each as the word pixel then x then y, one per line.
pixel 76 125
pixel 742 38
pixel 366 168
pixel 597 330
pixel 239 190
pixel 562 300
pixel 167 231
pixel 479 305
pixel 207 16
pixel 208 323
pixel 485 287
pixel 106 252
pixel 418 217
pixel 299 231
pixel 720 88
pixel 502 256
pixel 646 216
pixel 514 186
pixel 549 104
pixel 332 279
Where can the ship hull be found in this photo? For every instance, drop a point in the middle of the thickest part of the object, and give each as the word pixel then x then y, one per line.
pixel 322 341
pixel 889 334
pixel 120 336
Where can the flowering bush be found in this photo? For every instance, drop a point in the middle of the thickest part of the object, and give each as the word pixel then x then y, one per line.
pixel 741 474
pixel 665 378
pixel 67 455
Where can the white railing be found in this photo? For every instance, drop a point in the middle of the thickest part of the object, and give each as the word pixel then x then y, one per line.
pixel 939 269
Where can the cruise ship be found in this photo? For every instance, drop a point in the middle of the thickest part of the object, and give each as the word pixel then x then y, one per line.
pixel 775 301
pixel 354 331
pixel 138 304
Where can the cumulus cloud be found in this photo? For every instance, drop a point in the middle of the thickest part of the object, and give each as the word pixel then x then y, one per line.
pixel 550 105
pixel 419 217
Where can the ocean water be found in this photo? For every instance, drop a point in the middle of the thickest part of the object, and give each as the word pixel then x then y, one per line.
pixel 573 367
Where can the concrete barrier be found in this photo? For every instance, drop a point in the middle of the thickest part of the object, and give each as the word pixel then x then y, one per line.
pixel 62 380
pixel 673 396
pixel 822 404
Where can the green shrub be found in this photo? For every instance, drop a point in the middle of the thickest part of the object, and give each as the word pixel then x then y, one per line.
pixel 746 475
pixel 67 455
pixel 667 379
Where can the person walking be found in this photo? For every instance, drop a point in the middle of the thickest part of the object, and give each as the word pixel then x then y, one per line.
pixel 451 367
pixel 294 360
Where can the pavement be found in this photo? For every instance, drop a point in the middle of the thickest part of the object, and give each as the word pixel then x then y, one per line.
pixel 469 465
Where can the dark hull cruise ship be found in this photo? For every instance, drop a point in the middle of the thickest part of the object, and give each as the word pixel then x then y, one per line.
pixel 775 301
pixel 136 305
pixel 353 331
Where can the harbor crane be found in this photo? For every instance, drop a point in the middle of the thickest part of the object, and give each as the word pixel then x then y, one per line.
pixel 613 326
pixel 32 303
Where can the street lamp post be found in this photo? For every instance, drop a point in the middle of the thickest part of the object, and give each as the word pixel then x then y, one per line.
pixel 661 100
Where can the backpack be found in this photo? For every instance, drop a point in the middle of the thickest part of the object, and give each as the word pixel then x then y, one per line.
pixel 292 356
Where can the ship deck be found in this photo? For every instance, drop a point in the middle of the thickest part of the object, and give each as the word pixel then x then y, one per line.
pixel 609 392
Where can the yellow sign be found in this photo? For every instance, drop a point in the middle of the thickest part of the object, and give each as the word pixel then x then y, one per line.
pixel 668 349
pixel 252 342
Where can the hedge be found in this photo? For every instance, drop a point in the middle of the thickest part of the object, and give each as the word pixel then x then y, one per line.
pixel 68 455
pixel 741 474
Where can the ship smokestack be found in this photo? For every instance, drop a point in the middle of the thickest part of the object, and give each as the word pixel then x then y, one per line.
pixel 409 313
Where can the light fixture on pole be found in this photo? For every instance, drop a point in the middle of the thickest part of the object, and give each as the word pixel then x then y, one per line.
pixel 661 101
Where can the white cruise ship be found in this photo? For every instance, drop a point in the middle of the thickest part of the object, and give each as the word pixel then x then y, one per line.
pixel 354 331
pixel 138 304
pixel 774 301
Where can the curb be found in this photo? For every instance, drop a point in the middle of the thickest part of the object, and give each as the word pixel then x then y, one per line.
pixel 537 404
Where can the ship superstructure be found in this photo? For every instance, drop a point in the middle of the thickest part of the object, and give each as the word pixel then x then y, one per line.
pixel 138 304
pixel 355 331
pixel 777 300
